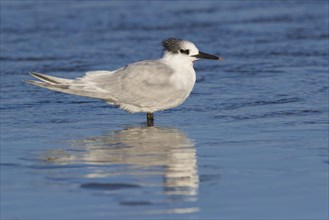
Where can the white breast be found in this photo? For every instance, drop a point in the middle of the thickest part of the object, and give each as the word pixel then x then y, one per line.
pixel 184 79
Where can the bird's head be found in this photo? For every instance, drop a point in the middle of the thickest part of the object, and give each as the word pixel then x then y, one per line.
pixel 185 50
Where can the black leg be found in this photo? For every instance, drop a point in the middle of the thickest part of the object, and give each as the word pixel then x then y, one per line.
pixel 150 119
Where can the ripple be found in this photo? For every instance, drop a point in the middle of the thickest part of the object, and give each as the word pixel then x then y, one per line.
pixel 51 167
pixel 195 10
pixel 273 19
pixel 236 105
pixel 270 114
pixel 135 203
pixel 108 186
pixel 9 165
pixel 29 58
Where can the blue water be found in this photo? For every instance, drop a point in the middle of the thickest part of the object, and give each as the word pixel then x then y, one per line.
pixel 250 142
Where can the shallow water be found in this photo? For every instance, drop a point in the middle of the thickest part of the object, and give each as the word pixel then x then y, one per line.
pixel 250 142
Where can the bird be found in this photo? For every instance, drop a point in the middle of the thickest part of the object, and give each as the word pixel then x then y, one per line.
pixel 145 86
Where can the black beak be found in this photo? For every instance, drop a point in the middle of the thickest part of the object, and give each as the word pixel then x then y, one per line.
pixel 207 56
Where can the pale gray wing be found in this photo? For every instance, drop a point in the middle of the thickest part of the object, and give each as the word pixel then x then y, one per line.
pixel 145 84
pixel 142 84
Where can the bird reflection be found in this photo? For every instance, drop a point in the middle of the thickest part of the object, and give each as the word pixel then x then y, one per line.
pixel 146 151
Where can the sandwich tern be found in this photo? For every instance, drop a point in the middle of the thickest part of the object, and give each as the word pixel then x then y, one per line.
pixel 145 86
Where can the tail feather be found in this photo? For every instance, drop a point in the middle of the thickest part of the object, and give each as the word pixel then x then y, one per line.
pixel 50 79
pixel 66 89
pixel 56 87
pixel 68 86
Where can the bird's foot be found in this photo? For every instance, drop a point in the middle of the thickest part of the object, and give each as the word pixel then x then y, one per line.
pixel 150 119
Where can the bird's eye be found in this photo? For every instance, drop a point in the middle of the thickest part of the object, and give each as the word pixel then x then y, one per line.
pixel 185 51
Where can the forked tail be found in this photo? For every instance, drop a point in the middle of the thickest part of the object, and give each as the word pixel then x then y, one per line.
pixel 63 85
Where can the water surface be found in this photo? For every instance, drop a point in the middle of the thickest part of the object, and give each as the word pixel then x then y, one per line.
pixel 250 142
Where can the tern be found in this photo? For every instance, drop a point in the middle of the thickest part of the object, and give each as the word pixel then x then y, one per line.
pixel 145 86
